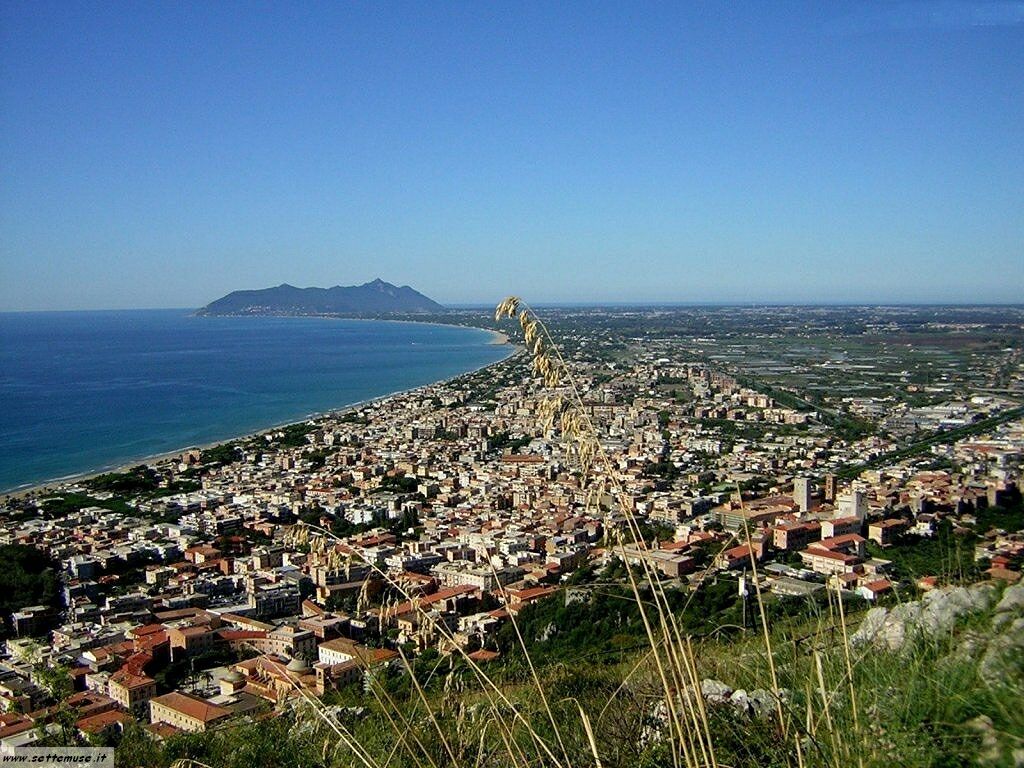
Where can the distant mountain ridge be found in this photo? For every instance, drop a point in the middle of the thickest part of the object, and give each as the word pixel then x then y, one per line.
pixel 375 297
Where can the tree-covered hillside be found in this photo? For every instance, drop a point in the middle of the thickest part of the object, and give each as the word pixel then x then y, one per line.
pixel 27 577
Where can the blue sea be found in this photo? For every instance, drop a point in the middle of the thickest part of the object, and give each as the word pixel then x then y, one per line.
pixel 86 391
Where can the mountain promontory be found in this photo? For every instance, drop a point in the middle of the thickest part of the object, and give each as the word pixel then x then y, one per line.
pixel 373 298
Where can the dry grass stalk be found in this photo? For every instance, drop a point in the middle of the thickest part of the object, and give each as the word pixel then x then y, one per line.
pixel 688 725
pixel 507 716
pixel 670 650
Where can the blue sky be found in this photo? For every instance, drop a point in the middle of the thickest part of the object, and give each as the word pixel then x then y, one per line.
pixel 157 155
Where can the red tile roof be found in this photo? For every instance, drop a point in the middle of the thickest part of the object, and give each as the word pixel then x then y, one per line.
pixel 197 709
pixel 232 635
pixel 881 585
pixel 127 679
pixel 162 730
pixel 534 593
pixel 103 720
pixel 830 555
pixel 145 629
pixel 11 724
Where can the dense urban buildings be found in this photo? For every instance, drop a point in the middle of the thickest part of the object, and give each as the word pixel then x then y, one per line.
pixel 223 582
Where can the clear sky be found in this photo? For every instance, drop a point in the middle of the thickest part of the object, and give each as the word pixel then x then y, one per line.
pixel 160 155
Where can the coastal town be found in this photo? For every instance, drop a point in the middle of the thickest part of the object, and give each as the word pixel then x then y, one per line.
pixel 227 583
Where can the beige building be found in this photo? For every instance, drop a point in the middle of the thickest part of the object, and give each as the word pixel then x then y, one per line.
pixel 827 562
pixel 190 640
pixel 336 651
pixel 791 536
pixel 185 712
pixel 483 577
pixel 885 532
pixel 287 641
pixel 802 493
pixel 131 691
pixel 840 526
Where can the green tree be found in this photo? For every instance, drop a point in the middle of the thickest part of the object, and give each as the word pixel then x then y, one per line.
pixel 27 577
pixel 56 680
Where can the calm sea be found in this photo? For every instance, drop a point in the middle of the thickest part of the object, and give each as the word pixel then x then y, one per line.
pixel 83 391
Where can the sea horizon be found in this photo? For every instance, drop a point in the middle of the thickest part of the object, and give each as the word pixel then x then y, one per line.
pixel 457 306
pixel 89 391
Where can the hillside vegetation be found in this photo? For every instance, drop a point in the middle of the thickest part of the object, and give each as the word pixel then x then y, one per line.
pixel 947 694
pixel 27 577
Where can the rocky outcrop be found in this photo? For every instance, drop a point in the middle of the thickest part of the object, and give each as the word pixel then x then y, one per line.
pixel 1003 658
pixel 755 704
pixel 937 613
pixel 998 644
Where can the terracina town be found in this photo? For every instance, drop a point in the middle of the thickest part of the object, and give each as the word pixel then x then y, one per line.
pixel 874 454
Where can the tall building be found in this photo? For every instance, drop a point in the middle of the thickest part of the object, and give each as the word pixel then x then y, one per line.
pixel 802 493
pixel 830 487
pixel 853 504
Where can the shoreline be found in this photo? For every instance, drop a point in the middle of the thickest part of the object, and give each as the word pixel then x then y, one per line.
pixel 54 484
pixel 497 337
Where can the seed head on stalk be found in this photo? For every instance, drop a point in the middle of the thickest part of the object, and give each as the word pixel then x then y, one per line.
pixel 556 410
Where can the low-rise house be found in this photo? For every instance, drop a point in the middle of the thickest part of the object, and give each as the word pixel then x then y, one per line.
pixel 517 599
pixel 735 558
pixel 346 662
pixel 33 620
pixel 671 562
pixel 840 526
pixel 885 532
pixel 829 562
pixel 789 537
pixel 103 723
pixel 16 729
pixel 872 590
pixel 850 544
